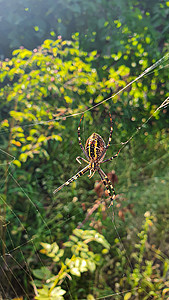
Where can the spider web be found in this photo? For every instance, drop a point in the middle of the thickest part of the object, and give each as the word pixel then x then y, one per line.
pixel 13 255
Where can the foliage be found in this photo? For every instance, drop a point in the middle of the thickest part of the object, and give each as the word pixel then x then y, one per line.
pixel 39 90
pixel 51 77
pixel 148 275
pixel 58 78
pixel 82 260
pixel 146 267
pixel 102 24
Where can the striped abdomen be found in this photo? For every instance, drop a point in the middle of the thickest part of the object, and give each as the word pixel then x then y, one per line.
pixel 94 147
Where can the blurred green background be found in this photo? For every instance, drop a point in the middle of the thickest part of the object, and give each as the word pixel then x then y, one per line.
pixel 58 59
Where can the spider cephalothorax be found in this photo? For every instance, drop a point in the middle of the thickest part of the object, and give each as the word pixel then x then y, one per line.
pixel 95 150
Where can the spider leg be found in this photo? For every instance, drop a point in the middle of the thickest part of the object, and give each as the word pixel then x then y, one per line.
pixel 107 184
pixel 109 141
pixel 80 173
pixel 79 138
pixel 111 131
pixel 111 158
pixel 91 175
pixel 79 157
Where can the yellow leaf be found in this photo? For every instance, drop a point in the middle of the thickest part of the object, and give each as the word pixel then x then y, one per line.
pixel 165 291
pixel 62 89
pixel 17 163
pixel 90 297
pixel 127 296
pixel 36 28
pixel 5 123
pixel 16 143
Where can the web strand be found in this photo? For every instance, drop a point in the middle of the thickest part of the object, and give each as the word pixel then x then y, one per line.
pixel 31 240
pixel 145 73
pixel 165 103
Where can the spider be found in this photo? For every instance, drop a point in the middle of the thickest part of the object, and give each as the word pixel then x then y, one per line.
pixel 95 151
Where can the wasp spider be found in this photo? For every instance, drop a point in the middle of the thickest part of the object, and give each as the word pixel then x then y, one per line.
pixel 94 151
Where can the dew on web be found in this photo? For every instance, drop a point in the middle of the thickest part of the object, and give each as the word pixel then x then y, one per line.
pixel 31 215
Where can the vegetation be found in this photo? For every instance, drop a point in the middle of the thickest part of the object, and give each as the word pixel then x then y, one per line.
pixel 145 270
pixel 73 244
pixel 102 25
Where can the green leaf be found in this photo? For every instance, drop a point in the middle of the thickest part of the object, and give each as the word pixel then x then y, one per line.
pixel 42 273
pixel 68 244
pixel 73 238
pixel 91 265
pixel 55 294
